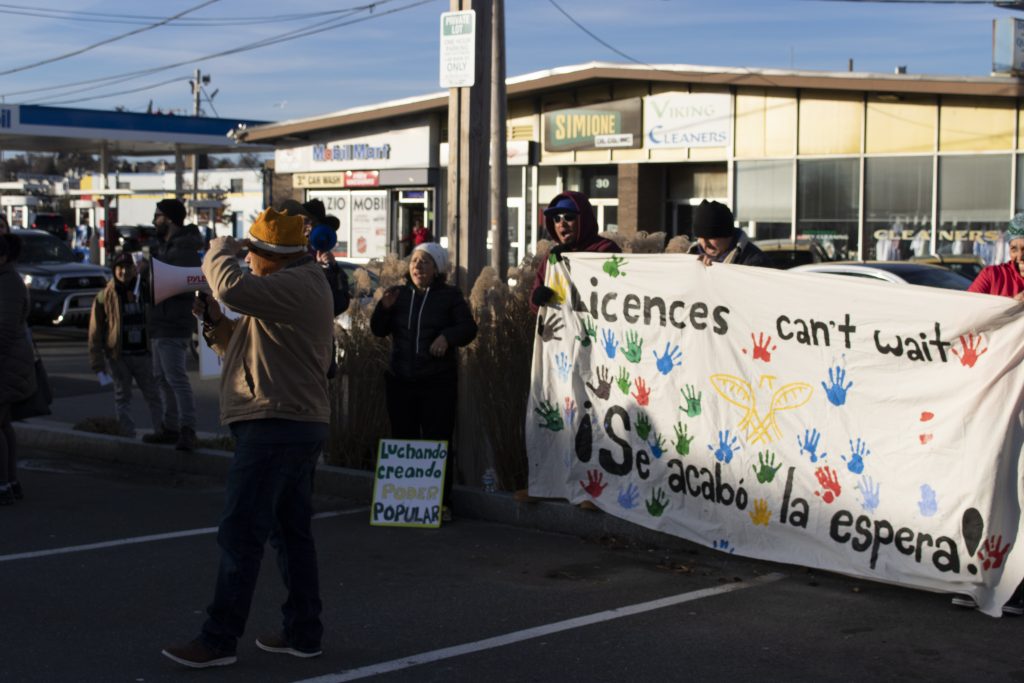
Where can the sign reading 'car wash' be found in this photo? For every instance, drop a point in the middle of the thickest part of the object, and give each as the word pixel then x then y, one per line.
pixel 458 56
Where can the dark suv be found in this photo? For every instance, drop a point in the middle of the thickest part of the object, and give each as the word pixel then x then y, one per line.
pixel 61 289
pixel 54 224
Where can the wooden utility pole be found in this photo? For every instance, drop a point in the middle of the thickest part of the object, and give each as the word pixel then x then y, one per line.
pixel 468 154
pixel 499 167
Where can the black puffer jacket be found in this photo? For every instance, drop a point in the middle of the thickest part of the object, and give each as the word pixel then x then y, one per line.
pixel 17 364
pixel 415 320
pixel 172 318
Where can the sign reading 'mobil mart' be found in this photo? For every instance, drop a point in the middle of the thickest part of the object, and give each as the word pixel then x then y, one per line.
pixel 458 57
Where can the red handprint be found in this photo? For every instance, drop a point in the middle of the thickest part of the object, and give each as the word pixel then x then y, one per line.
pixel 643 393
pixel 761 351
pixel 830 482
pixel 991 555
pixel 594 486
pixel 970 353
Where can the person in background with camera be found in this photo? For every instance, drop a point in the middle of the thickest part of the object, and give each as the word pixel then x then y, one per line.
pixel 17 362
pixel 171 325
pixel 118 341
pixel 274 397
pixel 428 320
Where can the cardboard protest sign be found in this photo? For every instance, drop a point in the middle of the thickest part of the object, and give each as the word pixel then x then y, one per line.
pixel 865 428
pixel 408 483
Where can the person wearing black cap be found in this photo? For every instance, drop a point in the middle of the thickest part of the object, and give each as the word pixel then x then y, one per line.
pixel 570 222
pixel 171 325
pixel 719 240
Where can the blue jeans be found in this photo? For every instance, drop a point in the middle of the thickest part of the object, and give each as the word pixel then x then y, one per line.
pixel 169 354
pixel 268 496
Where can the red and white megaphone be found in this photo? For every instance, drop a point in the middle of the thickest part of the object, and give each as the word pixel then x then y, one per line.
pixel 170 280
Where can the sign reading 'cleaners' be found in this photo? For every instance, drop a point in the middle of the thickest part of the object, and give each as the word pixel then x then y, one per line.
pixel 458 58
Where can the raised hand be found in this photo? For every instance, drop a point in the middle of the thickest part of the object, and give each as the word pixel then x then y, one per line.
pixel 623 381
pixel 829 482
pixel 668 360
pixel 834 390
pixel 726 447
pixel 610 343
pixel 991 555
pixel 604 385
pixel 549 413
pixel 658 502
pixel 657 446
pixel 570 411
pixel 643 392
pixel 760 515
pixel 634 347
pixel 809 444
pixel 643 425
pixel 589 332
pixel 692 399
pixel 683 439
pixel 766 467
pixel 870 491
pixel 969 353
pixel 613 266
pixel 549 328
pixel 629 497
pixel 595 485
pixel 857 454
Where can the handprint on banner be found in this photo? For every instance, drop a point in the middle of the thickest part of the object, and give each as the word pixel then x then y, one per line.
pixel 835 392
pixel 595 485
pixel 623 382
pixel 857 454
pixel 968 352
pixel 761 350
pixel 613 266
pixel 766 468
pixel 829 483
pixel 929 504
pixel 570 411
pixel 724 545
pixel 669 360
pixel 870 492
pixel 548 328
pixel 683 439
pixel 727 446
pixel 643 425
pixel 642 393
pixel 991 555
pixel 549 413
pixel 629 496
pixel 809 445
pixel 604 385
pixel 589 332
pixel 760 515
pixel 610 343
pixel 658 502
pixel 692 398
pixel 560 286
pixel 760 429
pixel 564 366
pixel 634 347
pixel 657 446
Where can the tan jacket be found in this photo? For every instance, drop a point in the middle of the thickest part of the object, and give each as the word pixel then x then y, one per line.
pixel 105 328
pixel 276 355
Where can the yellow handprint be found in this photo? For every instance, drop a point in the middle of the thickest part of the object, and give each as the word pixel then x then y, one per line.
pixel 760 515
pixel 560 286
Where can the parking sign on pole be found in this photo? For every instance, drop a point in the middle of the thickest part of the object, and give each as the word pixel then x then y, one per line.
pixel 457 49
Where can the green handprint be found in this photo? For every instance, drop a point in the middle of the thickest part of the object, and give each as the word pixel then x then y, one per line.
pixel 634 347
pixel 623 381
pixel 658 502
pixel 643 425
pixel 613 265
pixel 683 439
pixel 692 408
pixel 589 331
pixel 766 467
pixel 551 416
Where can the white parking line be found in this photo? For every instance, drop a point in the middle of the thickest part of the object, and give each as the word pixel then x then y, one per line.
pixel 536 632
pixel 145 539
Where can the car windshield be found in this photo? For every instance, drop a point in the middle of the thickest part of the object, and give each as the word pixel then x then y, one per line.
pixel 44 249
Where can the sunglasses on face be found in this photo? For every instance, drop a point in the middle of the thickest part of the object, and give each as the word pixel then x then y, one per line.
pixel 565 217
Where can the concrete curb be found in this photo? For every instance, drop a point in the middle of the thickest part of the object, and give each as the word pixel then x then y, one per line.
pixel 556 516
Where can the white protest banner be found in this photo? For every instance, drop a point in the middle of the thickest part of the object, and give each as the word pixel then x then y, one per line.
pixel 408 483
pixel 865 428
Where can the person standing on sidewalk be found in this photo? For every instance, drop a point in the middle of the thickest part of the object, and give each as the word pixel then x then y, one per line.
pixel 17 362
pixel 171 325
pixel 118 342
pixel 274 396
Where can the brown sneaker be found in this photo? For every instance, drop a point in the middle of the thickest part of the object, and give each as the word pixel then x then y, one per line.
pixel 278 643
pixel 186 440
pixel 196 655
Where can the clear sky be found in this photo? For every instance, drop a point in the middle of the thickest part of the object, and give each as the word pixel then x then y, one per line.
pixel 387 56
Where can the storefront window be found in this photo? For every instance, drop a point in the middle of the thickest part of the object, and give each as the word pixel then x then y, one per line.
pixel 897 207
pixel 974 201
pixel 827 204
pixel 764 198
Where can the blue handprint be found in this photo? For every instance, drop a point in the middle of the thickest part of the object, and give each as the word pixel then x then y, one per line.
pixel 657 445
pixel 724 546
pixel 629 497
pixel 809 444
pixel 669 360
pixel 726 447
pixel 611 344
pixel 834 390
pixel 857 454
pixel 870 490
pixel 929 504
pixel 570 411
pixel 564 366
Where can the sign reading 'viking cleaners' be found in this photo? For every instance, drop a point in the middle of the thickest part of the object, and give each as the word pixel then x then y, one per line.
pixel 680 119
pixel 597 126
pixel 408 483
pixel 788 417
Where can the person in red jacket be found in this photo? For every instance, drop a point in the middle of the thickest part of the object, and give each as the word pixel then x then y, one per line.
pixel 570 222
pixel 1006 279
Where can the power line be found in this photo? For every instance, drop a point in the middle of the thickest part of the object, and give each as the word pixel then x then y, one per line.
pixel 592 35
pixel 87 48
pixel 122 92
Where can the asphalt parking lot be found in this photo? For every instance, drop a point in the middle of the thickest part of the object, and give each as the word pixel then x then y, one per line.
pixel 101 567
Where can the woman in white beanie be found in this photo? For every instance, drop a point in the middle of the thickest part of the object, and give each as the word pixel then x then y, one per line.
pixel 427 320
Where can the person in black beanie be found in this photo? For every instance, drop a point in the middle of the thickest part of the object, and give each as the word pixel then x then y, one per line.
pixel 719 240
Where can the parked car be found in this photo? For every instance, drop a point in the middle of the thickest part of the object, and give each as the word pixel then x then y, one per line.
pixel 61 289
pixel 968 266
pixel 54 224
pixel 897 272
pixel 786 254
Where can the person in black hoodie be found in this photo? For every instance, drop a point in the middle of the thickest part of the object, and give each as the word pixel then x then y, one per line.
pixel 427 320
